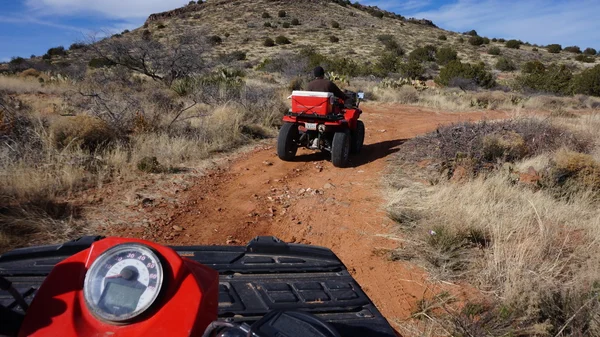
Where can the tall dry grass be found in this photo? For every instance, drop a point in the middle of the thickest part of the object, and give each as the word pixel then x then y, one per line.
pixel 532 253
pixel 44 158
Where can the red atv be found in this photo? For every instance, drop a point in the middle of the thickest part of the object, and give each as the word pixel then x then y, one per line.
pixel 319 121
pixel 118 287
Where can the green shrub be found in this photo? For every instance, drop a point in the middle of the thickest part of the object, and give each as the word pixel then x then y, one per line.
pixel 461 40
pixel 590 51
pixel 161 26
pixel 556 79
pixel 486 40
pixel 335 24
pixel 377 14
pixel 476 40
pixel 588 82
pixel 494 51
pixel 391 45
pixel 268 42
pixel 423 54
pixel 334 39
pixel 76 46
pixel 494 40
pixel 445 55
pixel 472 33
pixel 501 40
pixel 100 62
pixel 267 24
pixel 458 70
pixel 554 48
pixel 266 15
pixel 286 25
pixel 504 64
pixel 282 40
pixel 215 40
pixel 295 22
pixel 573 49
pixel 513 44
pixel 387 63
pixel 442 37
pixel 57 51
pixel 585 58
pixel 150 165
pixel 533 67
pixel 411 69
pixel 282 14
pixel 238 55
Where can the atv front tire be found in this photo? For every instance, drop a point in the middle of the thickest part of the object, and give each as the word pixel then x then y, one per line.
pixel 340 149
pixel 358 138
pixel 287 145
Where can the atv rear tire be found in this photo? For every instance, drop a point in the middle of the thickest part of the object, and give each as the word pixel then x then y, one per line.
pixel 358 138
pixel 340 149
pixel 287 141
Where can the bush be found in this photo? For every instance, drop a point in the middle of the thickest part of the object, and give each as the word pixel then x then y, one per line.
pixel 57 51
pixel 504 64
pixel 507 146
pixel 334 39
pixel 282 14
pixel 585 58
pixel 76 46
pixel 513 44
pixel 458 70
pixel 412 69
pixel 554 48
pixel 533 67
pixel 282 40
pixel 486 40
pixel 391 44
pixel 377 14
pixel 88 133
pixel 101 62
pixel 335 24
pixel 295 22
pixel 590 51
pixel 588 82
pixel 286 25
pixel 161 26
pixel 266 15
pixel 494 51
pixel 556 79
pixel 423 54
pixel 571 172
pixel 534 49
pixel 476 40
pixel 268 42
pixel 501 40
pixel 150 165
pixel 215 40
pixel 267 24
pixel 573 49
pixel 445 55
pixel 442 37
pixel 472 33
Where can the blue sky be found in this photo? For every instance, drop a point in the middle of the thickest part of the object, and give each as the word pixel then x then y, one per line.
pixel 32 26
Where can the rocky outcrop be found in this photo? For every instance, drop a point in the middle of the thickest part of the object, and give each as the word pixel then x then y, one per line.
pixel 175 13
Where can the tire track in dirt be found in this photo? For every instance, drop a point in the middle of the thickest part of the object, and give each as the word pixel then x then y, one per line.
pixel 309 201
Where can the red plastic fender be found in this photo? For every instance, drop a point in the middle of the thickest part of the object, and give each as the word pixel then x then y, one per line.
pixel 187 305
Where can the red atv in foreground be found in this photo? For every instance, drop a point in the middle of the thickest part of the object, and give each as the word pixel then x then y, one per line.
pixel 116 287
pixel 319 121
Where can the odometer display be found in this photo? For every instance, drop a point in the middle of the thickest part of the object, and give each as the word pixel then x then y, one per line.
pixel 123 282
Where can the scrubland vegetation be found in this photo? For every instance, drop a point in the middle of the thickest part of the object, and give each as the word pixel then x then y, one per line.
pixel 511 208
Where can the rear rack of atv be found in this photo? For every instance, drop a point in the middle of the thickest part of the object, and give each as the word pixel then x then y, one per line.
pixel 329 117
pixel 265 275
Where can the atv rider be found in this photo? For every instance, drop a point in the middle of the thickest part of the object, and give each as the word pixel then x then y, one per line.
pixel 324 85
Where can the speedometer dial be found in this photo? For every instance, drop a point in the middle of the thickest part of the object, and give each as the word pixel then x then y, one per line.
pixel 123 282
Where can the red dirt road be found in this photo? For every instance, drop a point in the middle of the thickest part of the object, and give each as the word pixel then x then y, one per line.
pixel 310 201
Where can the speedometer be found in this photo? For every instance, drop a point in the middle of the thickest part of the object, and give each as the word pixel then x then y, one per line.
pixel 123 283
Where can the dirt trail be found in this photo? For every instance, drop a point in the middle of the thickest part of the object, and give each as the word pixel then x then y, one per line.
pixel 310 201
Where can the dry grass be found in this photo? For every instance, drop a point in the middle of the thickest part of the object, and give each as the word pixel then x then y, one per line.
pixel 532 254
pixel 44 158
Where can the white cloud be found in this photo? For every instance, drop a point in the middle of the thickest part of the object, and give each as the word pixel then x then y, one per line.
pixel 537 21
pixel 113 9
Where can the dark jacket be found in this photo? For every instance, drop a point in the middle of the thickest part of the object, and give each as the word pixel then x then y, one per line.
pixel 324 85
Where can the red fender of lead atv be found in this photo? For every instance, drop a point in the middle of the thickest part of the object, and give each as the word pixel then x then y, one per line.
pixel 187 304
